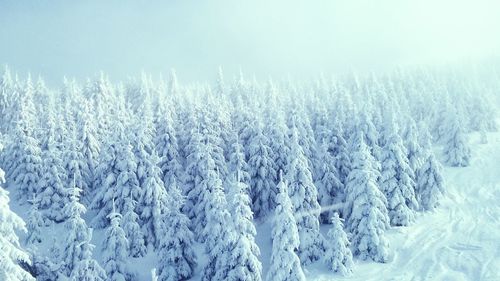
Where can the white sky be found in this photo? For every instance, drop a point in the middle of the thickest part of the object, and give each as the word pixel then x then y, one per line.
pixel 300 38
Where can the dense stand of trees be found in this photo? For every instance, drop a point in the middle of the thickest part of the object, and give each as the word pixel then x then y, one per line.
pixel 162 166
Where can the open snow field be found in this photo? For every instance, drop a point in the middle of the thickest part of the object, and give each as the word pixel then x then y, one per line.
pixel 458 241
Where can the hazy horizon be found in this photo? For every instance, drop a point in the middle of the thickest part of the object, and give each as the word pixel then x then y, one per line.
pixel 297 38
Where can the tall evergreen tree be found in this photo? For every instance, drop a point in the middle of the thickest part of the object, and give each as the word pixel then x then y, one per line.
pixel 77 254
pixel 216 233
pixel 132 229
pixel 262 174
pixel 365 209
pixel 153 201
pixel 241 262
pixel 23 157
pixel 11 254
pixel 177 260
pixel 338 148
pixel 53 195
pixel 75 165
pixel 457 152
pixel 285 264
pixel 276 130
pixel 304 197
pixel 430 183
pixel 115 250
pixel 34 224
pixel 330 189
pixel 338 256
pixel 168 149
pixel 91 147
pixel 415 152
pixel 119 180
pixel 397 178
pixel 237 165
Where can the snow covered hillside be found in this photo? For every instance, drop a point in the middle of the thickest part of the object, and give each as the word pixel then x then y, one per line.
pixel 379 177
pixel 460 240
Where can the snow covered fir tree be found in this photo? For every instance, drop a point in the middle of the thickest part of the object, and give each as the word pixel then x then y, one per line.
pixel 239 180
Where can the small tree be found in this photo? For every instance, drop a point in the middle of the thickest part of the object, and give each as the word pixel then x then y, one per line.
pixel 262 173
pixel 153 201
pixel 338 256
pixel 457 152
pixel 365 209
pixel 88 268
pixel 115 250
pixel 430 183
pixel 285 264
pixel 177 260
pixel 79 264
pixel 132 229
pixel 330 189
pixel 53 196
pixel 216 233
pixel 23 158
pixel 396 179
pixel 35 223
pixel 241 262
pixel 304 197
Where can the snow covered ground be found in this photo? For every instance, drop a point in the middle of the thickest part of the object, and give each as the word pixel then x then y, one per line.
pixel 458 241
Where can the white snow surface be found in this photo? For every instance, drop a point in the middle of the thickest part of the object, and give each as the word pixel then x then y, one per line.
pixel 460 240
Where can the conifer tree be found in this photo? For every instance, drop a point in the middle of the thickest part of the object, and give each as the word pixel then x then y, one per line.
pixel 23 157
pixel 153 201
pixel 132 229
pixel 330 189
pixel 212 135
pixel 415 152
pixel 119 180
pixel 11 254
pixel 338 148
pixel 142 146
pixel 457 152
pixel 167 147
pixel 396 179
pixel 370 135
pixel 276 130
pixel 216 233
pixel 105 179
pixel 87 268
pixel 338 256
pixel 53 195
pixel 90 145
pixel 34 224
pixel 365 209
pixel 430 183
pixel 115 250
pixel 76 165
pixel 177 260
pixel 237 165
pixel 285 264
pixel 6 93
pixel 262 174
pixel 304 197
pixel 244 254
pixel 204 179
pixel 77 254
pixel 241 262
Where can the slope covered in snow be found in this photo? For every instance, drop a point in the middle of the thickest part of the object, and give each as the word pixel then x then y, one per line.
pixel 460 240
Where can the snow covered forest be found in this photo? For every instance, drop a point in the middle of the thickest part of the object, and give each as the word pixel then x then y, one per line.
pixel 150 179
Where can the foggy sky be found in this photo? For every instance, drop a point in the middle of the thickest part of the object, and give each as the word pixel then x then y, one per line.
pixel 265 38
